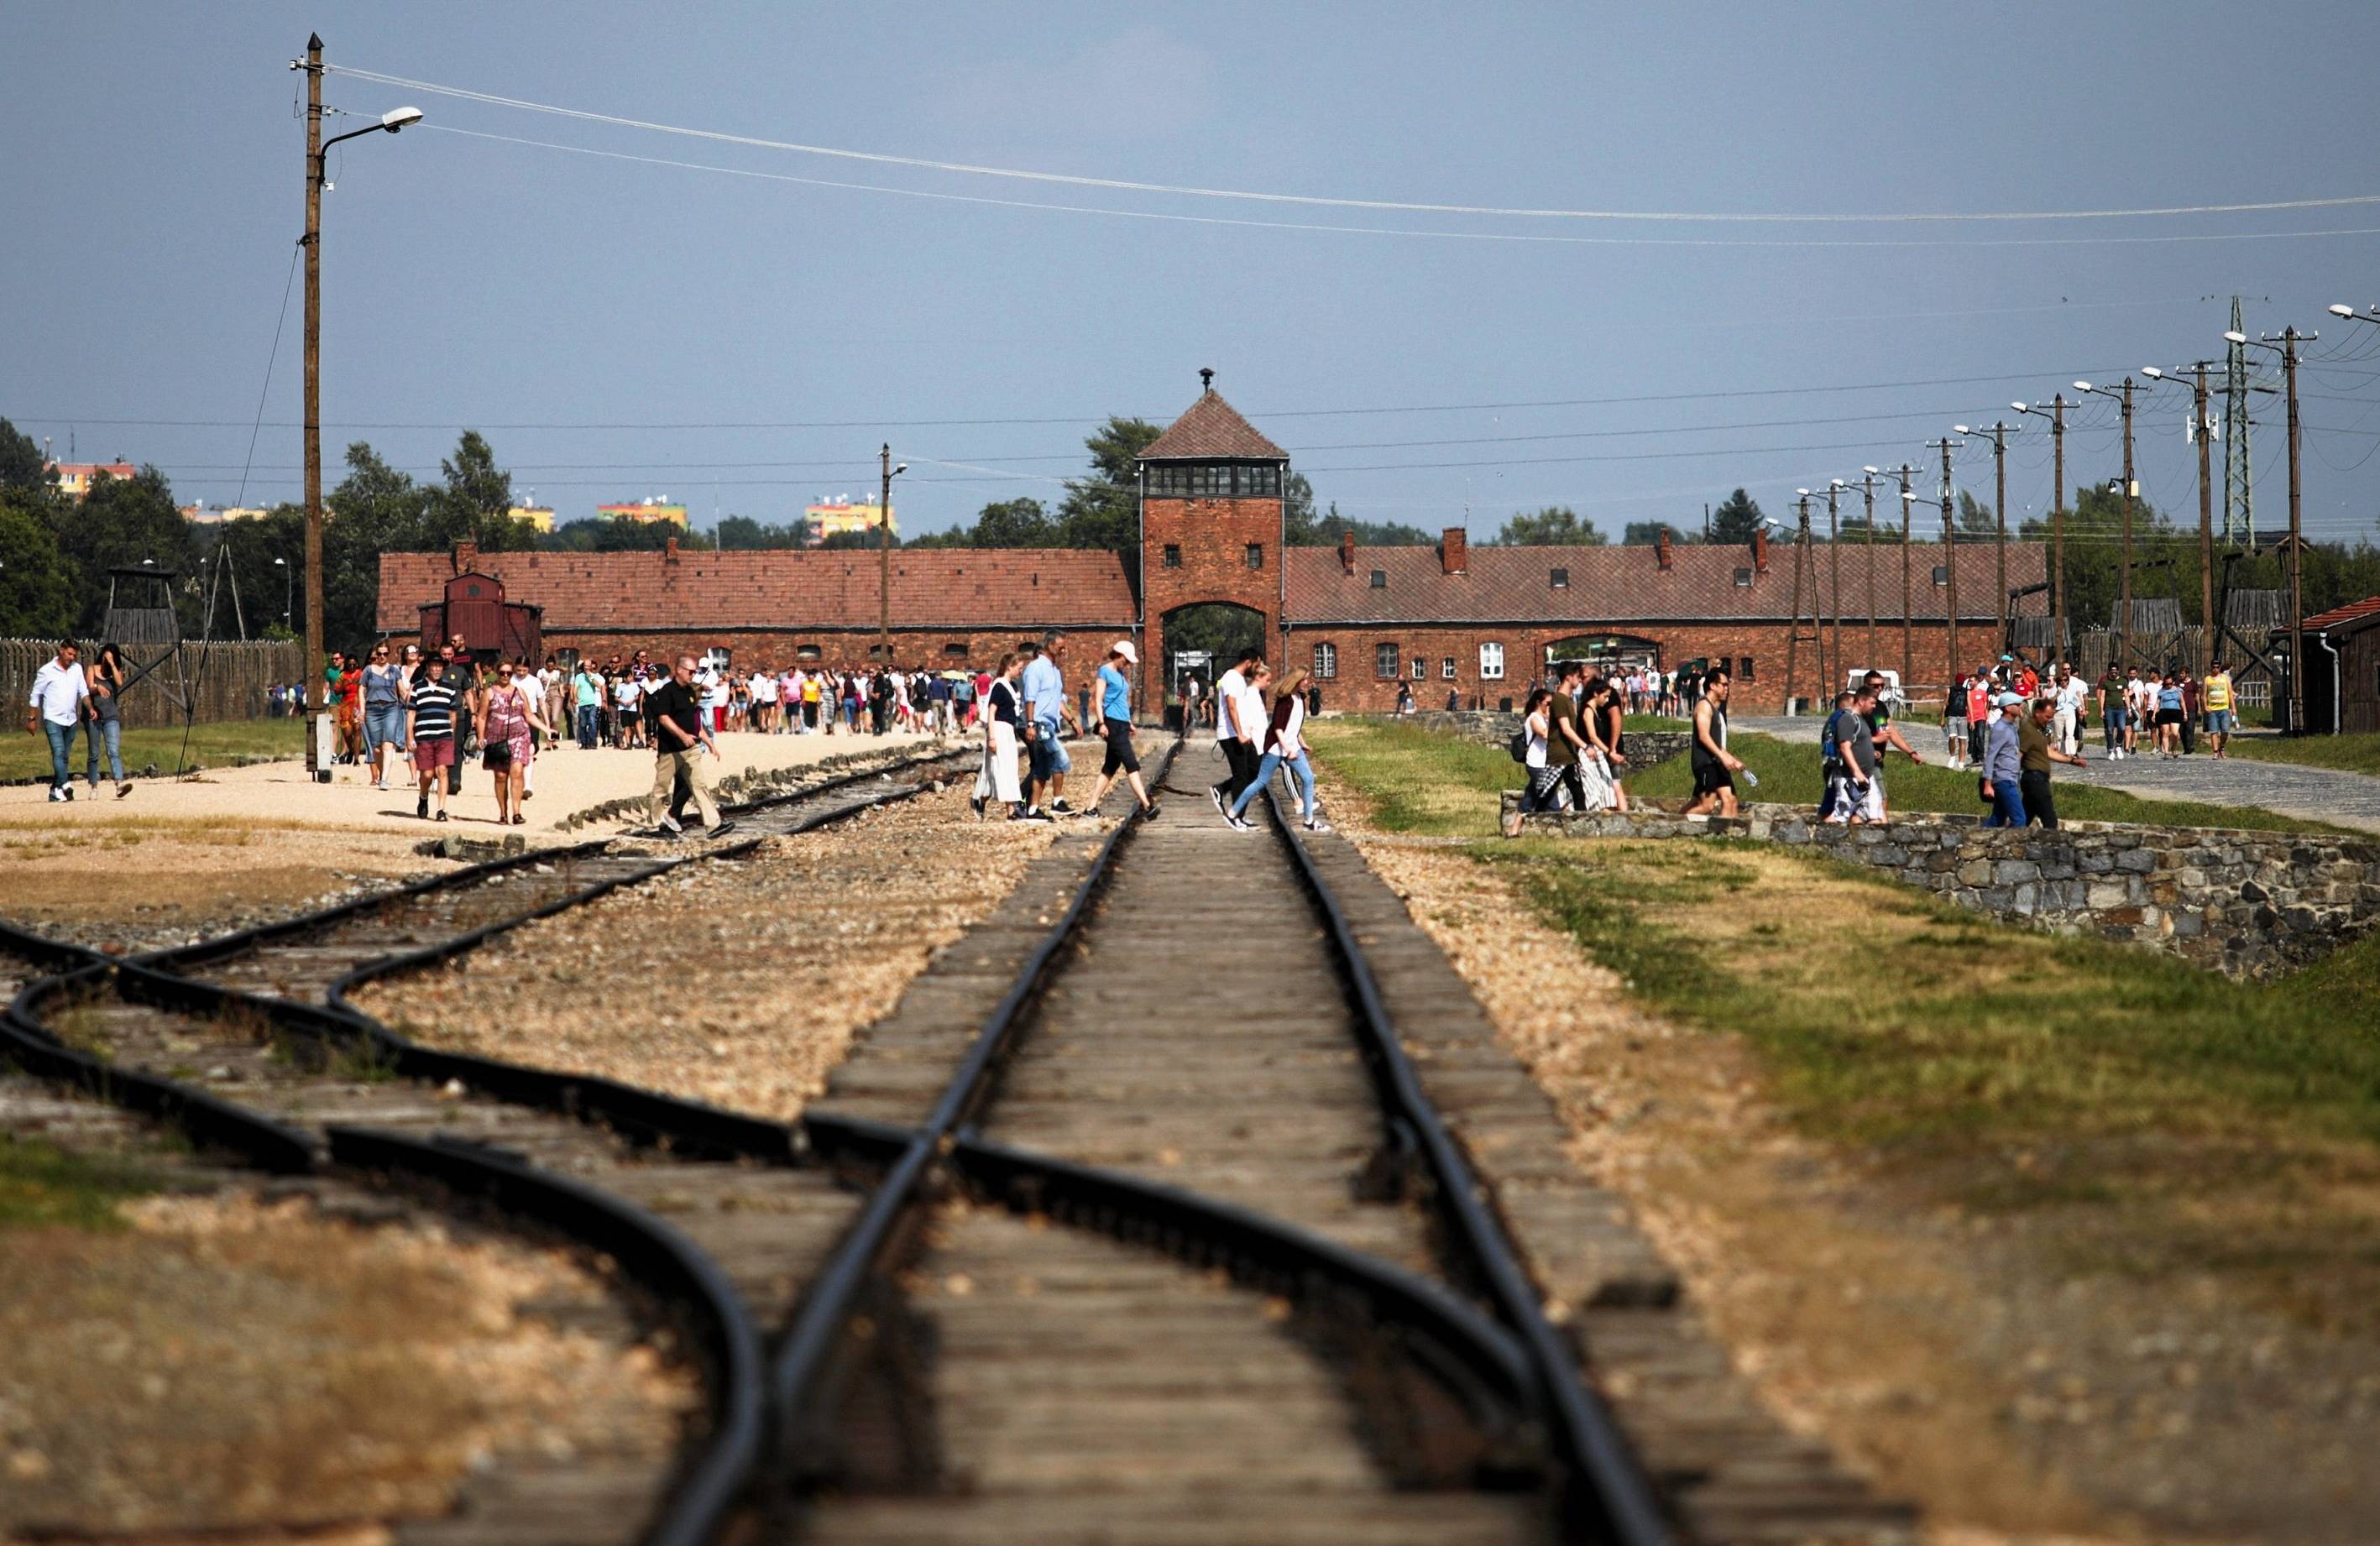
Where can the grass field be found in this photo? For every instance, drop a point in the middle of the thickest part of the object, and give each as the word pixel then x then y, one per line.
pixel 1998 1068
pixel 2347 754
pixel 1439 785
pixel 40 1184
pixel 27 756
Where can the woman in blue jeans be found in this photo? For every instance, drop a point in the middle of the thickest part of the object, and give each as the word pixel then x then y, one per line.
pixel 106 727
pixel 1282 747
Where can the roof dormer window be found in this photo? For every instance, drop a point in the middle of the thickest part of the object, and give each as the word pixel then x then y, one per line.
pixel 1562 579
pixel 1380 579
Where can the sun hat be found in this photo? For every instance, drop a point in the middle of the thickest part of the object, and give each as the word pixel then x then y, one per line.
pixel 1124 647
pixel 2007 700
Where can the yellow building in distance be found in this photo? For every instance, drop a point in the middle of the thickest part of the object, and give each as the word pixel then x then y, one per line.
pixel 829 517
pixel 539 516
pixel 214 514
pixel 647 510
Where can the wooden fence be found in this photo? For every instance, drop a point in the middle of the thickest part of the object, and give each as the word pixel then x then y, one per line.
pixel 222 681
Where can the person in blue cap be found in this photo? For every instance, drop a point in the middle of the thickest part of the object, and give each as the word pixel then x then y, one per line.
pixel 2003 764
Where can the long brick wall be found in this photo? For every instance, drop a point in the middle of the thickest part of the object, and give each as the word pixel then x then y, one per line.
pixel 1755 652
pixel 954 648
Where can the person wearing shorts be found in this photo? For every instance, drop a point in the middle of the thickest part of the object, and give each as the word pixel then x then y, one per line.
pixel 1954 723
pixel 1116 721
pixel 430 726
pixel 1714 766
pixel 1045 712
pixel 2216 692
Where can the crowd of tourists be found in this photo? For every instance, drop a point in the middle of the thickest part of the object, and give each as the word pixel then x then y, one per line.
pixel 606 699
pixel 2163 712
pixel 1024 712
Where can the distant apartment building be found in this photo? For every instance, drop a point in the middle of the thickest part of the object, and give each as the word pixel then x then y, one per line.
pixel 215 515
pixel 74 477
pixel 829 517
pixel 647 510
pixel 539 516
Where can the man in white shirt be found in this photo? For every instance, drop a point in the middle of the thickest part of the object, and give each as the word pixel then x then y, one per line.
pixel 56 708
pixel 1239 721
pixel 2069 696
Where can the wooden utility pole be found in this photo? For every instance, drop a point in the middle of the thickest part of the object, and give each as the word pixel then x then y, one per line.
pixel 2000 522
pixel 2058 526
pixel 1867 487
pixel 1793 635
pixel 317 693
pixel 2201 428
pixel 1950 570
pixel 884 564
pixel 1907 637
pixel 1834 586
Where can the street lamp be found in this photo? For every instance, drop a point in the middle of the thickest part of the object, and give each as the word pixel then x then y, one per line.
pixel 2124 600
pixel 391 121
pixel 2287 349
pixel 2056 414
pixel 283 565
pixel 1999 432
pixel 2202 428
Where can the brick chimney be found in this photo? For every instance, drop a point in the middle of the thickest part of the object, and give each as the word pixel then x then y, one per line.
pixel 1760 550
pixel 1347 552
pixel 669 553
pixel 1661 554
pixel 467 556
pixel 1454 551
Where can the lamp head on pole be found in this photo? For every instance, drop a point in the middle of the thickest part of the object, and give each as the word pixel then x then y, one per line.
pixel 900 467
pixel 2153 373
pixel 2020 407
pixel 2342 312
pixel 2234 336
pixel 1870 471
pixel 2083 386
pixel 396 118
pixel 1960 430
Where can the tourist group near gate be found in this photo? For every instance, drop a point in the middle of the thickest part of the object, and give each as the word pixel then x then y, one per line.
pixel 1001 774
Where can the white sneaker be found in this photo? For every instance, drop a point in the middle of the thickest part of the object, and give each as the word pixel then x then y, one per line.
pixel 1316 824
pixel 1237 824
pixel 669 824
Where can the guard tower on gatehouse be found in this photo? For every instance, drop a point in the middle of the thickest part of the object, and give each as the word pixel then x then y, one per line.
pixel 1212 532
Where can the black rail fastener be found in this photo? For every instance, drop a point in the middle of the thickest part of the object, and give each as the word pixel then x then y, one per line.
pixel 1609 1494
pixel 804 1355
pixel 710 1485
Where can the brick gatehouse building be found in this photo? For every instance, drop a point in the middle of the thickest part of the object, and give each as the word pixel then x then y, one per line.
pixel 1446 617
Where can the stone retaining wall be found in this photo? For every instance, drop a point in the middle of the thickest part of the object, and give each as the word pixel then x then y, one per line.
pixel 2252 904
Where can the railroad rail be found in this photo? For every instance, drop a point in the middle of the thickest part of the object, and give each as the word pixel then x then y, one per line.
pixel 1394 1308
pixel 246 1044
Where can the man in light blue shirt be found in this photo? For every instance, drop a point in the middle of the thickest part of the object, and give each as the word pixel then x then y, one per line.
pixel 2003 764
pixel 1115 722
pixel 1046 715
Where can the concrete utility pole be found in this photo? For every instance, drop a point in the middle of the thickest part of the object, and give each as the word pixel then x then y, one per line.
pixel 2291 338
pixel 1867 488
pixel 2057 416
pixel 1908 635
pixel 1950 567
pixel 1793 628
pixel 2124 581
pixel 2204 427
pixel 1999 520
pixel 884 564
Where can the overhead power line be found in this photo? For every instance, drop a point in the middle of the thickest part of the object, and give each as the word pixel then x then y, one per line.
pixel 1513 236
pixel 1324 201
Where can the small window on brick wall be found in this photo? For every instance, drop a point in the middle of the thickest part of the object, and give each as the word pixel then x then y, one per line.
pixel 1255 555
pixel 1384 659
pixel 1420 668
pixel 956 649
pixel 1743 666
pixel 1326 662
pixel 1446 668
pixel 1491 662
pixel 807 652
pixel 1174 555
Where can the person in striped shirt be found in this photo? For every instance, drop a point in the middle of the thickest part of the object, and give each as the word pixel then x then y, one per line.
pixel 430 726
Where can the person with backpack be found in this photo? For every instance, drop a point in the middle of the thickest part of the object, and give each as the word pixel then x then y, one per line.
pixel 1528 747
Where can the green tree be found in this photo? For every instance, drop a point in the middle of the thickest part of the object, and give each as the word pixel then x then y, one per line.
pixel 1645 533
pixel 1737 517
pixel 1018 523
pixel 248 548
pixel 474 503
pixel 742 534
pixel 1977 522
pixel 1103 510
pixel 1300 529
pixel 853 541
pixel 375 509
pixel 23 468
pixel 619 534
pixel 39 588
pixel 123 523
pixel 1554 526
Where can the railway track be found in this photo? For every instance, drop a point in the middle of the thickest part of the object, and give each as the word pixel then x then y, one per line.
pixel 1132 1222
pixel 247 1045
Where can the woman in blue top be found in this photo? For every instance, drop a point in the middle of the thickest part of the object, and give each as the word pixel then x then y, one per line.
pixel 2169 716
pixel 1115 718
pixel 383 713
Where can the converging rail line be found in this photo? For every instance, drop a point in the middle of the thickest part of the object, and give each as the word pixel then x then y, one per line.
pixel 1132 1222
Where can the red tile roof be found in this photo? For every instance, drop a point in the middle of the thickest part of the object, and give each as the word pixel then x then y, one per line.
pixel 931 588
pixel 1514 585
pixel 2368 607
pixel 1211 428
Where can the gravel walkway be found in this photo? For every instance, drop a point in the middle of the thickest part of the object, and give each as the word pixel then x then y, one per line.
pixel 2307 794
pixel 736 984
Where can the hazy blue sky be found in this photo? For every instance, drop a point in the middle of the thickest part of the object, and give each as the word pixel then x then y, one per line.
pixel 152 173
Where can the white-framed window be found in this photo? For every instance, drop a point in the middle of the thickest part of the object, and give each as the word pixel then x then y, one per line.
pixel 1420 668
pixel 1326 662
pixel 1446 668
pixel 1491 662
pixel 1384 659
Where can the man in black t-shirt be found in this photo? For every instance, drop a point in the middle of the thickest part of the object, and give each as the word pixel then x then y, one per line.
pixel 682 744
